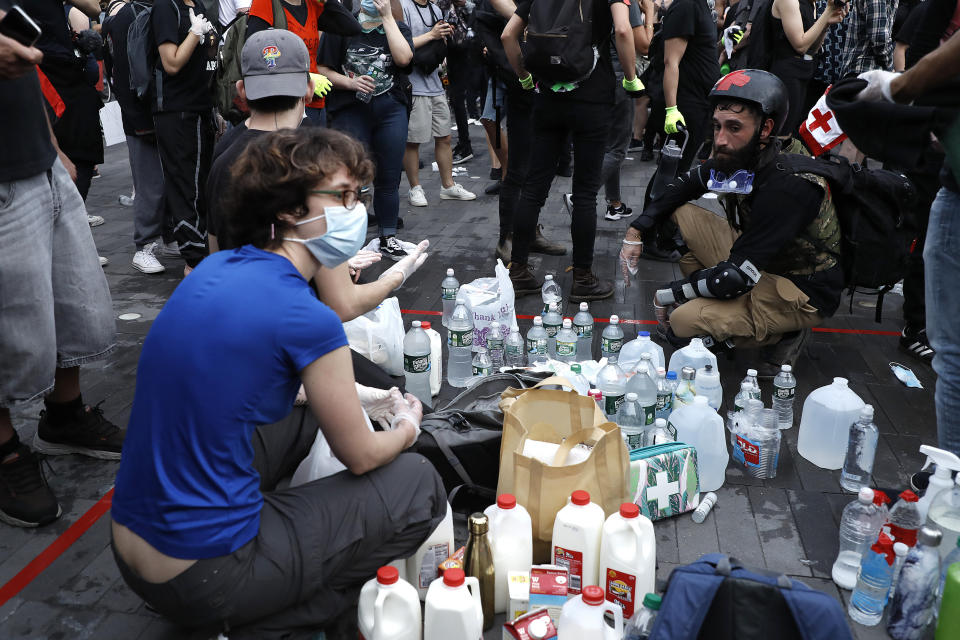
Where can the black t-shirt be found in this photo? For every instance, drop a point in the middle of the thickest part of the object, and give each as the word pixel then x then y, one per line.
pixel 134 112
pixel 364 51
pixel 189 89
pixel 55 40
pixel 699 66
pixel 601 84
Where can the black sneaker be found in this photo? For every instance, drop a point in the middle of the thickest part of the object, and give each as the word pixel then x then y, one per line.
pixel 615 213
pixel 635 144
pixel 646 155
pixel 391 248
pixel 496 174
pixel 25 497
pixel 493 189
pixel 917 345
pixel 462 155
pixel 89 434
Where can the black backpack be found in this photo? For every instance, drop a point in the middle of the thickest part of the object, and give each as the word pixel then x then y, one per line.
pixel 558 45
pixel 488 25
pixel 142 54
pixel 873 207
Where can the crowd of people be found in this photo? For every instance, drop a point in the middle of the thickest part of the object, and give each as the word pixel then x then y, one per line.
pixel 266 205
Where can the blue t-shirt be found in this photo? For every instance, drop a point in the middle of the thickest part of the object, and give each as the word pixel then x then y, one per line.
pixel 222 358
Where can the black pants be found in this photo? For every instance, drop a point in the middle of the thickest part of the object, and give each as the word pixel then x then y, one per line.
pixel 318 543
pixel 185 141
pixel 462 92
pixel 553 120
pixel 84 176
pixel 698 118
pixel 519 148
pixel 796 74
pixel 914 300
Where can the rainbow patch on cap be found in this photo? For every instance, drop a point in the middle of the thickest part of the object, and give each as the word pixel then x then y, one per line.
pixel 270 55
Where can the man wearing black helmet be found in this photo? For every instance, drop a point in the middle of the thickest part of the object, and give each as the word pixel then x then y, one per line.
pixel 769 271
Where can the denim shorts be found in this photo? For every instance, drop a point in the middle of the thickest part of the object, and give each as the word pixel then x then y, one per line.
pixel 489 106
pixel 55 307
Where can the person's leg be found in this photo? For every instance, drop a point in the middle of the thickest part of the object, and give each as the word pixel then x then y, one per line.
pixel 84 177
pixel 697 117
pixel 707 235
pixel 444 156
pixel 418 132
pixel 618 139
pixel 941 257
pixel 590 129
pixel 411 164
pixel 148 209
pixel 457 72
pixel 440 130
pixel 388 146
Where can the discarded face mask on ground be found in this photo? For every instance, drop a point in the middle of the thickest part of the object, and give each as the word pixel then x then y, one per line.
pixel 905 375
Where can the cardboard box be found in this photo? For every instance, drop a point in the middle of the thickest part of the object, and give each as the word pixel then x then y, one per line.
pixel 518 588
pixel 539 620
pixel 548 589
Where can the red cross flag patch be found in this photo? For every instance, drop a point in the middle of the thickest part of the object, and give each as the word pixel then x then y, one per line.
pixel 821 131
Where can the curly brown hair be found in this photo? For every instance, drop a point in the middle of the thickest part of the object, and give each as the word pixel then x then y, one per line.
pixel 275 175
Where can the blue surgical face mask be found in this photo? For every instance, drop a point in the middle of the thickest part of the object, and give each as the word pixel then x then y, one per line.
pixel 739 182
pixel 346 231
pixel 367 7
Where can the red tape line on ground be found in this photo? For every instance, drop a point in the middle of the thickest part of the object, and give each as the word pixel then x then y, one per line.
pixel 56 549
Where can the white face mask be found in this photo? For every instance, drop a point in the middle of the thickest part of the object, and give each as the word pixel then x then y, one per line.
pixel 346 231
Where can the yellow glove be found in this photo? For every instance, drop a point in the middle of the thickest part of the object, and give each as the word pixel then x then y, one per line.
pixel 527 83
pixel 674 118
pixel 321 84
pixel 633 87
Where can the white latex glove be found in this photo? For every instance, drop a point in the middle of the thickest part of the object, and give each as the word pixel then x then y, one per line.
pixel 412 412
pixel 301 398
pixel 198 24
pixel 878 85
pixel 361 261
pixel 381 404
pixel 407 266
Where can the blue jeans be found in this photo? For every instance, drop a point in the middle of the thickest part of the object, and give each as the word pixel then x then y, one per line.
pixel 381 125
pixel 941 257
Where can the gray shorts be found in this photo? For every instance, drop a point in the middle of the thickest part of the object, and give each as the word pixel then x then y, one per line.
pixel 489 105
pixel 55 307
pixel 429 118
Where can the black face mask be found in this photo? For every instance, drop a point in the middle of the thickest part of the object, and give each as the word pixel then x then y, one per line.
pixel 744 158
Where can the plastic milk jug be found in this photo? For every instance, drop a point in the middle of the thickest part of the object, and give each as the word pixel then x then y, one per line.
pixel 576 540
pixel 825 423
pixel 389 608
pixel 702 428
pixel 582 618
pixel 628 558
pixel 424 566
pixel 436 357
pixel 452 610
pixel 511 537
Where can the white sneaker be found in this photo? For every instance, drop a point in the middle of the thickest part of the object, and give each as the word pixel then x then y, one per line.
pixel 126 201
pixel 103 261
pixel 145 261
pixel 417 197
pixel 456 192
pixel 95 221
pixel 170 250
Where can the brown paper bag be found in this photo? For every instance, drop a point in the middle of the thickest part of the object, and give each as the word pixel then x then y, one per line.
pixel 567 417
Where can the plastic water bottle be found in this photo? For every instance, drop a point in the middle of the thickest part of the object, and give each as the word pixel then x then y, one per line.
pixel 611 339
pixel 873 582
pixel 901 550
pixel 631 420
pixel 905 520
pixel 641 624
pixel 756 443
pixel 552 321
pixel 664 395
pixel 784 388
pixel 751 378
pixel 481 363
pixel 416 362
pixel 667 168
pixel 495 346
pixel 550 292
pixel 577 380
pixel 644 384
pixel 745 395
pixel 612 384
pixel 708 384
pixel 459 346
pixel 657 433
pixel 448 292
pixel 583 325
pixel 566 342
pixel 685 391
pixel 858 530
pixel 514 349
pixel 536 343
pixel 861 449
pixel 914 601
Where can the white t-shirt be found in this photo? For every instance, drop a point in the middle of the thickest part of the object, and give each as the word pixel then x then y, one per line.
pixel 230 8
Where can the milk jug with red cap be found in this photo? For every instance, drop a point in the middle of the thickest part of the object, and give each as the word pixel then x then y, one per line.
pixel 576 540
pixel 452 610
pixel 582 618
pixel 389 608
pixel 511 540
pixel 628 558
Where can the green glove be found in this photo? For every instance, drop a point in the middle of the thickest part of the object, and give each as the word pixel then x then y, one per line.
pixel 321 84
pixel 563 87
pixel 725 68
pixel 737 35
pixel 527 83
pixel 674 118
pixel 633 86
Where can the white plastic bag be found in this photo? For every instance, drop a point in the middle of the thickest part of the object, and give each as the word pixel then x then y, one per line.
pixel 490 300
pixel 378 335
pixel 320 462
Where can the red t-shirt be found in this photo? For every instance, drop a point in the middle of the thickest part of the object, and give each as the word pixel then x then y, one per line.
pixel 308 31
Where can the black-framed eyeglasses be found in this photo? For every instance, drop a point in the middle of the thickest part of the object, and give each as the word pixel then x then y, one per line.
pixel 349 197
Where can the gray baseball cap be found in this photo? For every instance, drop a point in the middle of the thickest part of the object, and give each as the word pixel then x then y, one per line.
pixel 274 62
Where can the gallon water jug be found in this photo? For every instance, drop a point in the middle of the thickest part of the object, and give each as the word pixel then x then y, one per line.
pixel 707 384
pixel 452 610
pixel 628 558
pixel 436 357
pixel 423 567
pixel 630 353
pixel 582 618
pixel 702 428
pixel 825 423
pixel 693 355
pixel 389 608
pixel 511 536
pixel 576 540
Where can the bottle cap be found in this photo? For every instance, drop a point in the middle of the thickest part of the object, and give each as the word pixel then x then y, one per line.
pixel 909 496
pixel 454 577
pixel 549 276
pixel 661 371
pixel 580 497
pixel 567 323
pixel 595 393
pixel 631 397
pixel 538 629
pixel 652 601
pixel 593 595
pixel 614 319
pixel 688 373
pixel 930 537
pixel 671 375
pixel 387 575
pixel 479 523
pixel 901 549
pixel 866 495
pixel 840 381
pixel 866 413
pixel 752 372
pixel 786 368
pixel 494 324
pixel 415 324
pixel 575 368
pixel 884 545
pixel 449 272
pixel 700 400
pixel 584 306
pixel 644 334
pixel 537 320
pixel 425 324
pixel 661 423
pixel 880 498
pixel 506 501
pixel 629 510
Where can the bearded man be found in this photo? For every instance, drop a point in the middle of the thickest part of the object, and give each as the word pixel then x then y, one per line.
pixel 770 270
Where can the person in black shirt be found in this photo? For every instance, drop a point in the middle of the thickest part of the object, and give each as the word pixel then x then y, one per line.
pixel 583 110
pixel 770 271
pixel 183 116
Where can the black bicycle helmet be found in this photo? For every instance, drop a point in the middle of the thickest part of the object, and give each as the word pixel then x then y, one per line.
pixel 762 88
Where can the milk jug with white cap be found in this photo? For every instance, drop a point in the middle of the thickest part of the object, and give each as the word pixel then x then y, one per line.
pixel 423 567
pixel 628 558
pixel 389 608
pixel 582 618
pixel 511 539
pixel 576 540
pixel 452 610
pixel 825 423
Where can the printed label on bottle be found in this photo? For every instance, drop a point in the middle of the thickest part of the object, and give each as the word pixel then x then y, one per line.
pixel 481 371
pixel 785 393
pixel 514 350
pixel 573 562
pixel 416 364
pixel 460 338
pixel 494 345
pixel 663 402
pixel 583 330
pixel 746 452
pixel 450 293
pixel 621 588
pixel 551 329
pixel 633 439
pixel 755 395
pixel 672 430
pixel 611 404
pixel 650 414
pixel 566 348
pixel 536 346
pixel 611 345
pixel 430 563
